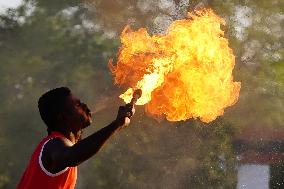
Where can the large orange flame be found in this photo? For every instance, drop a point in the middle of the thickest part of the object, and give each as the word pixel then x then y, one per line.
pixel 186 73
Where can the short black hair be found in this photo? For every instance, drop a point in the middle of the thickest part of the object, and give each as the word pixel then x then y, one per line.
pixel 50 104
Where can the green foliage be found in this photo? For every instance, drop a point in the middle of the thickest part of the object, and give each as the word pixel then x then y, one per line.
pixel 216 160
pixel 277 176
pixel 278 69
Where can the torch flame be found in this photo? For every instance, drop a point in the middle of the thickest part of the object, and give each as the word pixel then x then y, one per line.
pixel 184 74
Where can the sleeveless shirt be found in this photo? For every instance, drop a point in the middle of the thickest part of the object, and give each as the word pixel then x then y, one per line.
pixel 37 177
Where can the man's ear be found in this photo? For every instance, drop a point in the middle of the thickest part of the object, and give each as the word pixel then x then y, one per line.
pixel 61 117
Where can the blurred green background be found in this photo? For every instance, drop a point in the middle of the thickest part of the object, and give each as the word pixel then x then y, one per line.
pixel 46 44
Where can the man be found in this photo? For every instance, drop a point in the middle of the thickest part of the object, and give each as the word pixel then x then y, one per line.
pixel 53 164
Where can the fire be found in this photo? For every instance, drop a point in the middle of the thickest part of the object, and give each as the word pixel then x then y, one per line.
pixel 186 73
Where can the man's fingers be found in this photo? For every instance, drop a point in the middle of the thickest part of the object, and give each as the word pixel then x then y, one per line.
pixel 128 114
pixel 129 110
pixel 129 107
pixel 127 121
pixel 121 109
pixel 133 110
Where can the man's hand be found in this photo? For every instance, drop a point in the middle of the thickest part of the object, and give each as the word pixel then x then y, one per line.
pixel 124 114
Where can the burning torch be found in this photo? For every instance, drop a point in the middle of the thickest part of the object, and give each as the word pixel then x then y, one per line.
pixel 136 95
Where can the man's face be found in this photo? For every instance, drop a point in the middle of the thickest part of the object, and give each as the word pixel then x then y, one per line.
pixel 76 114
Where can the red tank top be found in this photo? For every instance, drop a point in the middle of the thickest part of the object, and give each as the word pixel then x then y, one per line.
pixel 36 176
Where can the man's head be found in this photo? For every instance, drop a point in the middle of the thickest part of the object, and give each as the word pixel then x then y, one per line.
pixel 61 111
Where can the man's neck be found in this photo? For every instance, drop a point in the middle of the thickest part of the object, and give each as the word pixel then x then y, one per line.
pixel 76 136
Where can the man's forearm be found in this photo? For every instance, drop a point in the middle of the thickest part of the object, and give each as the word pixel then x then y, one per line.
pixel 89 146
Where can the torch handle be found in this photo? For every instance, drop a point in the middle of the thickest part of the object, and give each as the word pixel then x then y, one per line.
pixel 136 95
pixel 134 99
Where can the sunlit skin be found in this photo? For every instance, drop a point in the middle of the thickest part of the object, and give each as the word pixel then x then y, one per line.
pixel 71 151
pixel 186 73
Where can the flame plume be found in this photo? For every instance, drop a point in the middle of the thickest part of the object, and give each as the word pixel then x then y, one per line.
pixel 186 73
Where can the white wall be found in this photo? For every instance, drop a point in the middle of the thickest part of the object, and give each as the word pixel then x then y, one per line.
pixel 252 176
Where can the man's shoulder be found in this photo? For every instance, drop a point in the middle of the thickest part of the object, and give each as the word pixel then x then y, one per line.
pixel 57 143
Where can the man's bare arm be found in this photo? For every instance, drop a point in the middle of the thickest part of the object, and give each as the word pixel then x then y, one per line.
pixel 60 153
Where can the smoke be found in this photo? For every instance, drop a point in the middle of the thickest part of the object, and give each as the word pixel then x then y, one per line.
pixel 102 104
